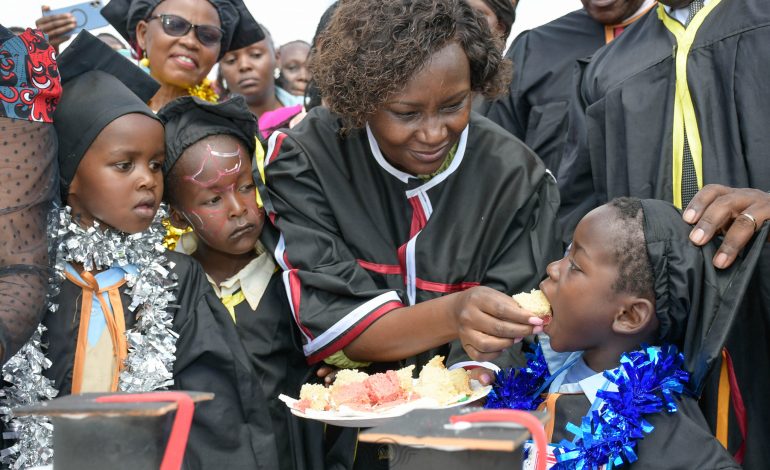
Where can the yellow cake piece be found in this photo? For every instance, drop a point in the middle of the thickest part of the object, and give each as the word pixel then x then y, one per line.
pixel 316 394
pixel 534 301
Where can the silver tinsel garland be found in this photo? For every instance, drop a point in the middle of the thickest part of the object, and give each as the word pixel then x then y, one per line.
pixel 151 342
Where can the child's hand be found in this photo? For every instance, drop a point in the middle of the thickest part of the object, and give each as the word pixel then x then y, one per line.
pixel 57 27
pixel 328 373
pixel 489 322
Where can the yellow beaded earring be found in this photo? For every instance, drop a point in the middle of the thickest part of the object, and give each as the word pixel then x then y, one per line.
pixel 145 62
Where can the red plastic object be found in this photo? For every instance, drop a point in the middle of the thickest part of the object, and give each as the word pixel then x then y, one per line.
pixel 180 430
pixel 526 419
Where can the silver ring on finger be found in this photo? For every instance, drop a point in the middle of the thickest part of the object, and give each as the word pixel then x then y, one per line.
pixel 751 218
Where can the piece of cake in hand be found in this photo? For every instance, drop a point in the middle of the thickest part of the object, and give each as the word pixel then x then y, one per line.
pixel 535 302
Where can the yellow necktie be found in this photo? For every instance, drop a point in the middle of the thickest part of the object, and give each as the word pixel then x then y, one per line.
pixel 232 301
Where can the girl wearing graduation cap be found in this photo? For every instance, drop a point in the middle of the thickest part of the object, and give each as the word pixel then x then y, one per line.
pixel 210 188
pixel 401 219
pixel 129 316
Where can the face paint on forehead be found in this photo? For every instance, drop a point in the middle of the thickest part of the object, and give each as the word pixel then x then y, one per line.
pixel 220 164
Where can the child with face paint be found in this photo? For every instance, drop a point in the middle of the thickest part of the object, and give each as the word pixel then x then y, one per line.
pixel 209 185
pixel 130 316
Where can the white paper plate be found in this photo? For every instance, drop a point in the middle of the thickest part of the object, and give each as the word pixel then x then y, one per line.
pixel 350 418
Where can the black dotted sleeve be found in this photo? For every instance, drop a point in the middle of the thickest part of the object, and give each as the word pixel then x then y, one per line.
pixel 28 189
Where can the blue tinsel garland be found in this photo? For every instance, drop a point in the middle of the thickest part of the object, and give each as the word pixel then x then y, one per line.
pixel 518 388
pixel 648 381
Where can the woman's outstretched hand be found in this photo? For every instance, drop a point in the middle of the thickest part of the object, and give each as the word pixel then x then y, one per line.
pixel 489 322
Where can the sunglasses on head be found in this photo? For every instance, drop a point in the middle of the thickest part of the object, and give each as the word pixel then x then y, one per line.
pixel 173 25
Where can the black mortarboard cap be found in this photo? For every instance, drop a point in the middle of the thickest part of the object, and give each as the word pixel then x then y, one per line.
pixel 99 86
pixel 241 29
pixel 696 303
pixel 189 119
pixel 119 431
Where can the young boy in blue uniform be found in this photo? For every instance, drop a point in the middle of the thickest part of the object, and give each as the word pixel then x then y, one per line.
pixel 632 277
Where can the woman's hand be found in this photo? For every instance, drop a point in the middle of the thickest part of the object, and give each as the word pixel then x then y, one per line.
pixel 739 212
pixel 57 27
pixel 489 321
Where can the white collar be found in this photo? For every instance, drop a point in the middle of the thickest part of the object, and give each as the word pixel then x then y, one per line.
pixel 404 177
pixel 681 14
pixel 252 280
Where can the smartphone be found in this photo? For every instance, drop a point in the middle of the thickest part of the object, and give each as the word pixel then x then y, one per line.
pixel 87 15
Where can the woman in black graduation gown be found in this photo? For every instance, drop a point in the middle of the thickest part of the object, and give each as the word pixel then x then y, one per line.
pixel 402 220
pixel 536 109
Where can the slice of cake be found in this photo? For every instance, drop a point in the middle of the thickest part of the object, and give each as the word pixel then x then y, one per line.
pixel 535 302
pixel 350 390
pixel 406 379
pixel 313 396
pixel 440 384
pixel 384 388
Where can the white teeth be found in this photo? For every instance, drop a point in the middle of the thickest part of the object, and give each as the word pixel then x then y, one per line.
pixel 183 58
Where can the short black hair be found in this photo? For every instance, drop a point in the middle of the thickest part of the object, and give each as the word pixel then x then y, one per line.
pixel 630 248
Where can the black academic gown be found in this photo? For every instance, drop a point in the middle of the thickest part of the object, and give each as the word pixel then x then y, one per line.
pixel 272 342
pixel 680 441
pixel 348 228
pixel 359 238
pixel 621 132
pixel 234 430
pixel 544 62
pixel 624 144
